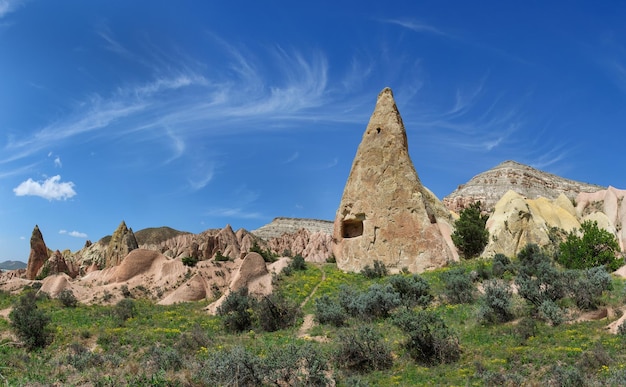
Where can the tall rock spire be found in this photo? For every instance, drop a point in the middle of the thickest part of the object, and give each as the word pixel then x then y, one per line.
pixel 38 254
pixel 385 213
pixel 122 242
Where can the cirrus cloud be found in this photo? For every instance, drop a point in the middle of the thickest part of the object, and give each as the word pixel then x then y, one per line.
pixel 51 188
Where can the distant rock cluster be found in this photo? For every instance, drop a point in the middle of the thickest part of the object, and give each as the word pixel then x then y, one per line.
pixel 282 225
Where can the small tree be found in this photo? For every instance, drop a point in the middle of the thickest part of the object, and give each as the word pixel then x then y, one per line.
pixel 329 311
pixel 363 350
pixel 378 271
pixel 275 312
pixel 538 280
pixel 267 254
pixel 29 322
pixel 459 288
pixel 470 235
pixel 496 303
pixel 596 247
pixel 219 257
pixel 67 298
pixel 413 290
pixel 429 340
pixel 189 261
pixel 236 311
pixel 124 309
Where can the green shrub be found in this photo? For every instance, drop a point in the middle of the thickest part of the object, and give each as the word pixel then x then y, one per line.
pixel 67 298
pixel 596 247
pixel 587 287
pixel 123 310
pixel 363 350
pixel 496 305
pixel 190 261
pixel 470 235
pixel 298 263
pixel 537 278
pixel 193 339
pixel 378 271
pixel 621 329
pixel 275 312
pixel 80 357
pixel 525 329
pixel 482 272
pixel 164 358
pixel 501 264
pixel 413 290
pixel 498 378
pixel 267 254
pixel 291 365
pixel 30 323
pixel 429 341
pixel 378 301
pixel 459 288
pixel 550 311
pixel 126 292
pixel 617 377
pixel 219 257
pixel 297 365
pixel 594 358
pixel 232 367
pixel 235 311
pixel 566 376
pixel 329 311
pixel 347 298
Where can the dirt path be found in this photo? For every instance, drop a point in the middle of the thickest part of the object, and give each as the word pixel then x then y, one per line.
pixel 309 322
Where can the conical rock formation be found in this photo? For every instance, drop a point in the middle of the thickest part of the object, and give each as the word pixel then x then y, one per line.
pixel 122 242
pixel 385 213
pixel 38 254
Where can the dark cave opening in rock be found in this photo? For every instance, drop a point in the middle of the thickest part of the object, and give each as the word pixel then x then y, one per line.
pixel 352 228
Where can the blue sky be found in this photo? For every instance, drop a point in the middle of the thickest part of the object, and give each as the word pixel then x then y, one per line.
pixel 195 115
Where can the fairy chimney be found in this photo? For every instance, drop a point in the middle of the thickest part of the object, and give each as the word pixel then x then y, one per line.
pixel 385 213
pixel 38 254
pixel 122 242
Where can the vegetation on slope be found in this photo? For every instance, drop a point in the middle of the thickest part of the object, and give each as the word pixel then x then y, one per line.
pixel 396 330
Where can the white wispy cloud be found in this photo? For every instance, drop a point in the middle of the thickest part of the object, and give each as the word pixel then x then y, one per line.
pixel 236 213
pixel 292 158
pixel 51 188
pixel 111 43
pixel 285 87
pixel 17 171
pixel 57 162
pixel 75 234
pixel 416 26
pixel 8 6
pixel 201 177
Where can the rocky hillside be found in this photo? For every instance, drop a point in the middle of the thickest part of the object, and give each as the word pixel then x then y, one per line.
pixel 280 226
pixel 517 221
pixel 492 185
pixel 155 235
pixel 12 265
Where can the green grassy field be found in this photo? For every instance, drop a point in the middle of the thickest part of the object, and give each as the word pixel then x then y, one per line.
pixel 172 345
